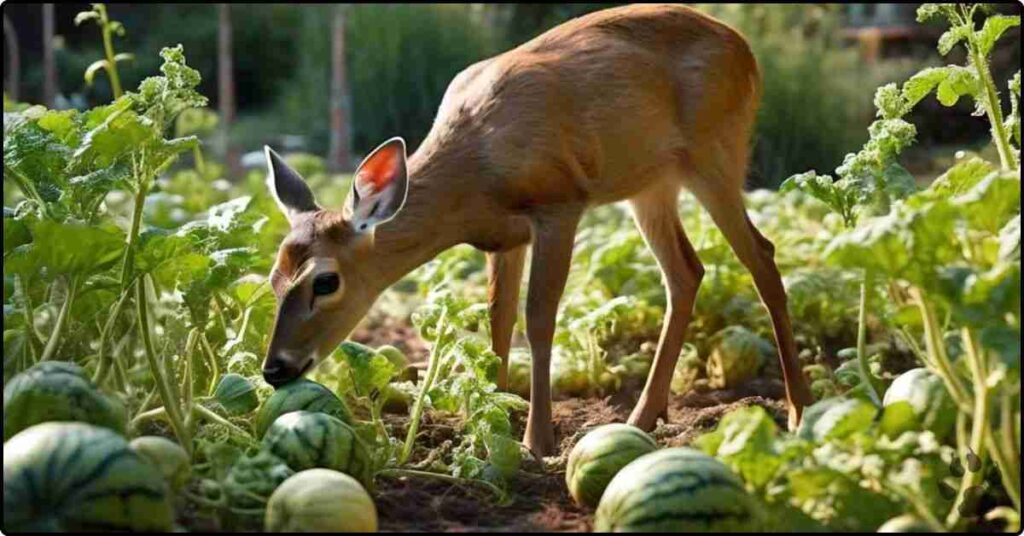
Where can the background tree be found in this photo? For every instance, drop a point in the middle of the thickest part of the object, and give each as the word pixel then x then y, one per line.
pixel 225 81
pixel 49 61
pixel 13 69
pixel 339 155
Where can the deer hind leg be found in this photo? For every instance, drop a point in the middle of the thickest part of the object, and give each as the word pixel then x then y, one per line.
pixel 505 273
pixel 549 269
pixel 758 255
pixel 657 218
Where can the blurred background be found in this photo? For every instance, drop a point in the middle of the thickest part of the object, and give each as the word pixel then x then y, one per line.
pixel 333 81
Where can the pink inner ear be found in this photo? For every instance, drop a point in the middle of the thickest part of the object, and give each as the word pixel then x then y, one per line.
pixel 378 171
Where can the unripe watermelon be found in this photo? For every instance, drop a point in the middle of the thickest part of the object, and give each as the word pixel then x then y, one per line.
pixel 167 456
pixel 677 490
pixel 599 456
pixel 304 395
pixel 924 391
pixel 394 355
pixel 305 440
pixel 70 476
pixel 320 500
pixel 58 391
pixel 236 394
pixel 736 357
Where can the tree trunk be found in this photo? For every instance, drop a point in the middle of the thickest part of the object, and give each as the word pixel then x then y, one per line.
pixel 340 154
pixel 49 61
pixel 226 84
pixel 13 81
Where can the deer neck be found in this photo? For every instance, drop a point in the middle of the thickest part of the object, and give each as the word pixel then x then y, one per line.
pixel 433 219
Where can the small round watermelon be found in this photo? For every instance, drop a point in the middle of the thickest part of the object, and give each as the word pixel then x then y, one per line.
pixel 300 395
pixel 236 394
pixel 58 391
pixel 167 456
pixel 320 500
pixel 677 490
pixel 599 456
pixel 932 405
pixel 304 440
pixel 70 476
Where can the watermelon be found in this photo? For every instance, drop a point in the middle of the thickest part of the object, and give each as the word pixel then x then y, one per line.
pixel 932 406
pixel 320 500
pixel 394 355
pixel 736 357
pixel 304 440
pixel 236 394
pixel 167 456
pixel 58 391
pixel 599 456
pixel 70 476
pixel 301 394
pixel 677 490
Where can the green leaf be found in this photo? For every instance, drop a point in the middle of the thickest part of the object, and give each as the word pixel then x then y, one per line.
pixel 92 69
pixel 745 440
pixel 959 82
pixel 844 418
pixel 951 37
pixel 994 27
pixel 370 371
pixel 923 83
pixel 963 176
pixel 991 202
pixel 897 418
pixel 68 248
pixel 1009 240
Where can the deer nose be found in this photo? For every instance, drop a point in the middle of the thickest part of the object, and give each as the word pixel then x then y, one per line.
pixel 277 372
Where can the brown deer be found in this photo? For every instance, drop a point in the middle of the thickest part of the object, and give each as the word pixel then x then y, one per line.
pixel 631 103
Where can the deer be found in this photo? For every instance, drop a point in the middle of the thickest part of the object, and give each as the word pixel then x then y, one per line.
pixel 630 104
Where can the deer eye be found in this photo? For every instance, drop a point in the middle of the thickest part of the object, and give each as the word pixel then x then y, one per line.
pixel 325 284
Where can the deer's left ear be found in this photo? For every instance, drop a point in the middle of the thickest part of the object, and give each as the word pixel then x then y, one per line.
pixel 379 186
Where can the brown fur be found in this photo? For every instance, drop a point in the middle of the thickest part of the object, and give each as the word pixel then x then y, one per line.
pixel 625 103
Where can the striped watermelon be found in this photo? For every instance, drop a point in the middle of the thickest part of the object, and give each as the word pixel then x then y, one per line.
pixel 304 440
pixel 69 476
pixel 236 394
pixel 58 391
pixel 676 490
pixel 599 456
pixel 320 500
pixel 301 394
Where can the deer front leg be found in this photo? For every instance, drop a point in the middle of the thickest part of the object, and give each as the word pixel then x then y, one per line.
pixel 505 272
pixel 549 268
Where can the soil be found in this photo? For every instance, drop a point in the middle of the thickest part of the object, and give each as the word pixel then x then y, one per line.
pixel 540 501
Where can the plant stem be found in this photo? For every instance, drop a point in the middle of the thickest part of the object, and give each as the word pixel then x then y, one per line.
pixel 108 327
pixel 993 107
pixel 35 341
pixel 212 357
pixel 108 50
pixel 172 405
pixel 979 429
pixel 936 350
pixel 862 331
pixel 212 416
pixel 417 411
pixel 62 317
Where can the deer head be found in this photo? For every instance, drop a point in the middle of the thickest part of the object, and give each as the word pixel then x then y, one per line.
pixel 327 273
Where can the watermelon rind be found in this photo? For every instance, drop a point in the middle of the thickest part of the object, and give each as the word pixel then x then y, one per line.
pixel 597 458
pixel 305 439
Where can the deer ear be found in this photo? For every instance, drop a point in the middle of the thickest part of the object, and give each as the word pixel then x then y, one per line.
pixel 379 186
pixel 291 192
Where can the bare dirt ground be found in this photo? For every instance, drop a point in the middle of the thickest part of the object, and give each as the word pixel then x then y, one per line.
pixel 540 501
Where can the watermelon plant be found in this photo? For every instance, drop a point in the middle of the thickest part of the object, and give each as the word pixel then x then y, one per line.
pixel 599 456
pixel 320 500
